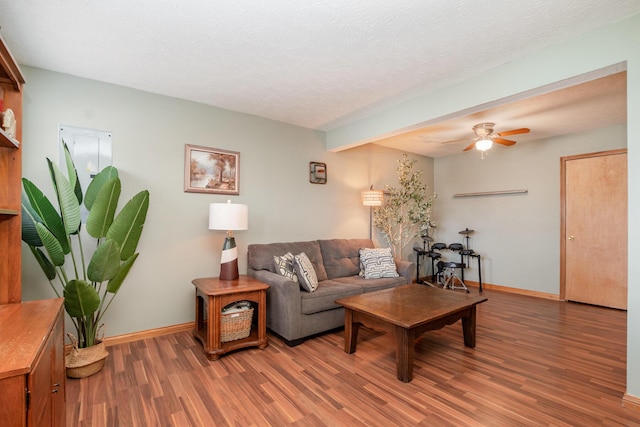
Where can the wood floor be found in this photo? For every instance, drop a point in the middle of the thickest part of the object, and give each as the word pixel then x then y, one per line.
pixel 537 362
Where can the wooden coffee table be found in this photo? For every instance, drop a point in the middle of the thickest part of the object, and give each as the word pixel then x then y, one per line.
pixel 407 312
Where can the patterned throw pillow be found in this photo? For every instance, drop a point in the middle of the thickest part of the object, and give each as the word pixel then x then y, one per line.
pixel 284 266
pixel 306 273
pixel 378 263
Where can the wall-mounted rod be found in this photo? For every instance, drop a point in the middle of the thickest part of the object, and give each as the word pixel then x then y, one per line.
pixel 490 193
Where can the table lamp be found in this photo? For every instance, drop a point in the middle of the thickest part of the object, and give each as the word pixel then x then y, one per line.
pixel 228 217
pixel 372 198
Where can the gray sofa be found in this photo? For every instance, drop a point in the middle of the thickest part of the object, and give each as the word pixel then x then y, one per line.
pixel 294 314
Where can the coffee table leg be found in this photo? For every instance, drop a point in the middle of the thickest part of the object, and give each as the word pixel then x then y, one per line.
pixel 405 347
pixel 469 328
pixel 350 332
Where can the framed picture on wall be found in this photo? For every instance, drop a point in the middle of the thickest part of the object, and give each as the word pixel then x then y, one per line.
pixel 317 173
pixel 211 170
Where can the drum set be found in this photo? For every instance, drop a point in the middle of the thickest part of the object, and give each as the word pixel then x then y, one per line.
pixel 446 275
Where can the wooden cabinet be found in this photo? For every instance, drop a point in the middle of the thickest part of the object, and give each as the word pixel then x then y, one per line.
pixel 11 81
pixel 32 372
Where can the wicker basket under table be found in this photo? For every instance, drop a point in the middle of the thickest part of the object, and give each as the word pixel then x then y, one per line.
pixel 235 326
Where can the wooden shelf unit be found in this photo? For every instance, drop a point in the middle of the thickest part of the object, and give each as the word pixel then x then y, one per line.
pixel 11 82
pixel 32 371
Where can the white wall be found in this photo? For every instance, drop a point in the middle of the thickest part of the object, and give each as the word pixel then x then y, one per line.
pixel 518 236
pixel 149 134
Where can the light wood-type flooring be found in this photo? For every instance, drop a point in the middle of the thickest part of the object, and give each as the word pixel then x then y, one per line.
pixel 537 363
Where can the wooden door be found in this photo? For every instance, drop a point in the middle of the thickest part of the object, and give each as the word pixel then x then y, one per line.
pixel 594 229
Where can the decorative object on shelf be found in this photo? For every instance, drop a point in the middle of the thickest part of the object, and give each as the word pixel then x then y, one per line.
pixel 211 170
pixel 372 198
pixel 317 173
pixel 55 236
pixel 9 122
pixel 228 217
pixel 407 211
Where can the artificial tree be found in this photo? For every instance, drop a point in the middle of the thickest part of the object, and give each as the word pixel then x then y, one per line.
pixel 406 212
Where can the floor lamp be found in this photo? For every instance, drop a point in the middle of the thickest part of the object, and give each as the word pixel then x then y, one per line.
pixel 228 217
pixel 372 198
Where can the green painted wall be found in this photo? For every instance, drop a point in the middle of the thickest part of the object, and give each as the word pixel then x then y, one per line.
pixel 149 135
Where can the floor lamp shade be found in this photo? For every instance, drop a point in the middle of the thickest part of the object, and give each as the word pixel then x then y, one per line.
pixel 228 217
pixel 372 198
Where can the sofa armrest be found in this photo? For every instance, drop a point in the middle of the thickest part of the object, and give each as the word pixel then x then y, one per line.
pixel 406 269
pixel 284 303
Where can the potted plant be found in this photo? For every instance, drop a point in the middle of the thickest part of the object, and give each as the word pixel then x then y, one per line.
pixel 55 237
pixel 406 213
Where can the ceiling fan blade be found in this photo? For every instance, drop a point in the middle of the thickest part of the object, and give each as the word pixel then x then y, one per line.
pixel 469 147
pixel 503 141
pixel 514 132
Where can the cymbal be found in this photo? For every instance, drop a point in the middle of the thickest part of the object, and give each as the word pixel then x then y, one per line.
pixel 466 231
pixel 427 239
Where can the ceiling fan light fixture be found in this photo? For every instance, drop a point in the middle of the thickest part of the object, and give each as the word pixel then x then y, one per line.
pixel 484 144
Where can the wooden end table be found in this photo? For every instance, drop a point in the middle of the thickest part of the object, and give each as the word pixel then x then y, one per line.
pixel 212 295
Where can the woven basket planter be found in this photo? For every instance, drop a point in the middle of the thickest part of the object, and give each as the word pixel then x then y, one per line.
pixel 84 362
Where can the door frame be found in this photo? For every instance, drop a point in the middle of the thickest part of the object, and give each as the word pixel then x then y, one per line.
pixel 563 209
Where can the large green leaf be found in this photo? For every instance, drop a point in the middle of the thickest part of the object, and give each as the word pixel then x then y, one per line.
pixel 48 269
pixel 29 232
pixel 72 173
pixel 45 212
pixel 96 184
pixel 105 262
pixel 114 284
pixel 80 299
pixel 51 244
pixel 67 200
pixel 104 208
pixel 127 227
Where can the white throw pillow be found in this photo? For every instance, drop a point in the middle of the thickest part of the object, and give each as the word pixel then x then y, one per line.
pixel 378 263
pixel 306 273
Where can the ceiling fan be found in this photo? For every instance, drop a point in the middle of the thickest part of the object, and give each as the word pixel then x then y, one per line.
pixel 485 137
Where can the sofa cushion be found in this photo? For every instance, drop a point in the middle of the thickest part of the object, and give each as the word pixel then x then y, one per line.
pixel 378 263
pixel 325 296
pixel 284 266
pixel 341 256
pixel 260 256
pixel 306 274
pixel 369 285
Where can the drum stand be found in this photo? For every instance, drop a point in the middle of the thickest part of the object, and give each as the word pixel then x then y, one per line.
pixel 468 252
pixel 425 251
pixel 447 275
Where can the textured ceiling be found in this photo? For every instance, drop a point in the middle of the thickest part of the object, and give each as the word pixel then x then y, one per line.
pixel 317 63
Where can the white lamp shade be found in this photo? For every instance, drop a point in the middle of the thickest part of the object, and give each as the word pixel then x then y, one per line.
pixel 484 144
pixel 228 216
pixel 372 198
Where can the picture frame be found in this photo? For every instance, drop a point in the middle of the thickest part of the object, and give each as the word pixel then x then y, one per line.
pixel 211 170
pixel 317 173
